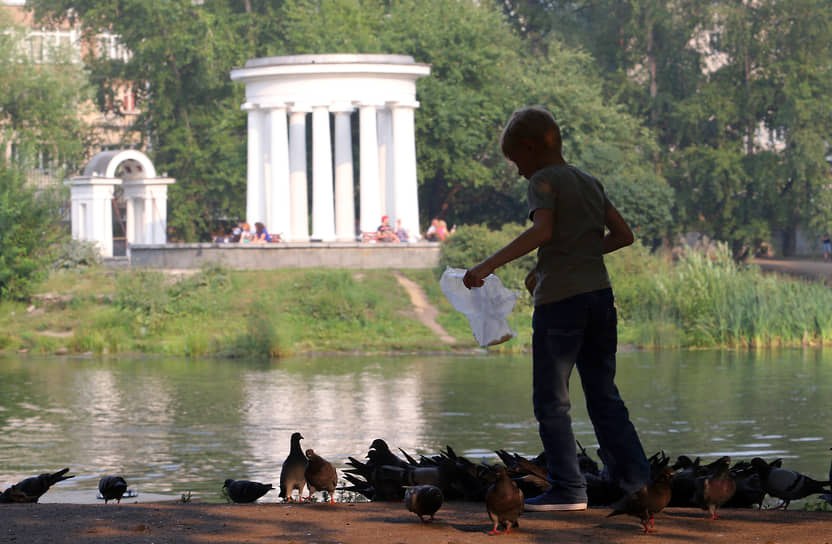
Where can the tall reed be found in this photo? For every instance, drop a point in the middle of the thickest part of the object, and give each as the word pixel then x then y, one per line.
pixel 705 299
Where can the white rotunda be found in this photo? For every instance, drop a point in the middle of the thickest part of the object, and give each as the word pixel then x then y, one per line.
pixel 281 93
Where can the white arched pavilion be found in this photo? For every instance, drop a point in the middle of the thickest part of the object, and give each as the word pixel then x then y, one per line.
pixel 281 92
pixel 145 193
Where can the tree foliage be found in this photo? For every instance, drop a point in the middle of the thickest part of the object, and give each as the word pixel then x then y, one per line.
pixel 696 114
pixel 41 104
pixel 735 92
pixel 30 233
pixel 481 71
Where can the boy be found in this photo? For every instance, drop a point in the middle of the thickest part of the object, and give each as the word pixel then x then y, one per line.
pixel 574 319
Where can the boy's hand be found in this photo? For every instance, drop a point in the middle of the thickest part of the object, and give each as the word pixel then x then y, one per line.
pixel 475 276
pixel 531 281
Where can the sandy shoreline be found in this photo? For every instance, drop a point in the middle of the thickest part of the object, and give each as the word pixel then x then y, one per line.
pixel 361 523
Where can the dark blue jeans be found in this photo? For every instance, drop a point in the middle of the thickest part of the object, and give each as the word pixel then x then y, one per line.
pixel 581 332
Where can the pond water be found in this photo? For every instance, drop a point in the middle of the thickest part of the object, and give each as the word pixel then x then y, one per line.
pixel 172 426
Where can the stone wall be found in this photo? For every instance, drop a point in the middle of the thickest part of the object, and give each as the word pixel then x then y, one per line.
pixel 286 255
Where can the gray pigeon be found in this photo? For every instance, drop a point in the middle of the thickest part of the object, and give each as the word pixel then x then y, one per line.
pixel 787 485
pixel 423 500
pixel 245 490
pixel 320 475
pixel 31 489
pixel 504 502
pixel 292 474
pixel 112 488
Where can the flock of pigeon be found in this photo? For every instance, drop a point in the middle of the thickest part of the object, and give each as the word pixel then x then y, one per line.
pixel 424 484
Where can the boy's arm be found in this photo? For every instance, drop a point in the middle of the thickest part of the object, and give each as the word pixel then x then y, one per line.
pixel 620 234
pixel 538 234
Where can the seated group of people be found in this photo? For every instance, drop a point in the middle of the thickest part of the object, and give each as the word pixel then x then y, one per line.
pixel 438 230
pixel 245 234
pixel 385 232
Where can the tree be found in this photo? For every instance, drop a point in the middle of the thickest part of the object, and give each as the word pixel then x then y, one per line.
pixel 30 232
pixel 41 104
pixel 481 71
pixel 191 122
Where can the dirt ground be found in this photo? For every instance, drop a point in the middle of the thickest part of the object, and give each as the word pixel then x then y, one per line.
pixel 361 523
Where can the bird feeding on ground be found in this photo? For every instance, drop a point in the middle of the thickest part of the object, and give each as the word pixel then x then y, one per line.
pixel 320 475
pixel 243 491
pixel 423 500
pixel 112 488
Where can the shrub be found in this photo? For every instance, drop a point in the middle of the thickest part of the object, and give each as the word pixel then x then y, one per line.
pixel 74 253
pixel 471 244
pixel 30 233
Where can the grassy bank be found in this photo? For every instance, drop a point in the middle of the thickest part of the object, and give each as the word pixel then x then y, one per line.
pixel 697 300
pixel 224 313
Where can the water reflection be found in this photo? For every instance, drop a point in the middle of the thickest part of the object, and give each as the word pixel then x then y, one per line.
pixel 171 426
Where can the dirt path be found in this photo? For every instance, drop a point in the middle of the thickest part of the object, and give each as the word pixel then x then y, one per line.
pixel 423 310
pixel 387 523
pixel 816 270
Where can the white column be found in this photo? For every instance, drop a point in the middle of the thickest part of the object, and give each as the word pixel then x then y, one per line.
pixel 299 230
pixel 368 142
pixel 159 196
pixel 279 216
pixel 344 192
pixel 147 217
pixel 130 220
pixel 323 211
pixel 255 181
pixel 404 153
pixel 386 165
pixel 103 218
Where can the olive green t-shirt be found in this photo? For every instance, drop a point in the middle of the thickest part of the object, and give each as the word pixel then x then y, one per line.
pixel 571 262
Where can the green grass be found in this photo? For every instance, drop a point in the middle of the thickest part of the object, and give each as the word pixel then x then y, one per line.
pixel 697 301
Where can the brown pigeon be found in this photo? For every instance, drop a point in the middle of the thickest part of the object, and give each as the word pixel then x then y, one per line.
pixel 320 475
pixel 504 502
pixel 647 501
pixel 292 475
pixel 112 488
pixel 714 490
pixel 423 500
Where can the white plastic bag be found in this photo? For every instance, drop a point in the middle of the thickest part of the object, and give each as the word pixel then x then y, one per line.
pixel 486 307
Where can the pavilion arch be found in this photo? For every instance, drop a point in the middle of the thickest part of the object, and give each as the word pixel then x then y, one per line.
pixel 144 191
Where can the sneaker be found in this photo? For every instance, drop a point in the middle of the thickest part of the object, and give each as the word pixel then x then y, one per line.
pixel 550 502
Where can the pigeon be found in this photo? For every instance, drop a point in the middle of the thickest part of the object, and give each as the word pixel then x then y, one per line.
pixel 31 489
pixel 683 482
pixel 504 502
pixel 13 494
pixel 749 492
pixel 787 485
pixel 292 475
pixel 587 464
pixel 245 490
pixel 320 475
pixel 112 488
pixel 380 454
pixel 647 501
pixel 423 500
pixel 715 489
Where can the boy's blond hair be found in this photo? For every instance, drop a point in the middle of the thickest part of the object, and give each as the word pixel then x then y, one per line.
pixel 533 123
